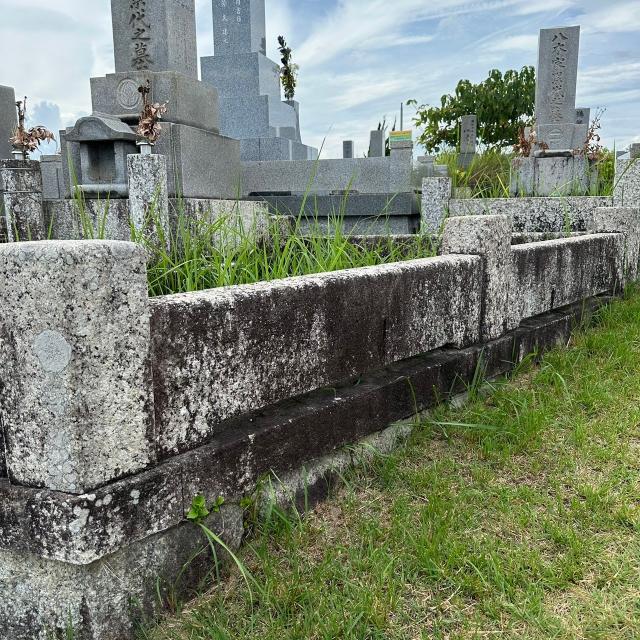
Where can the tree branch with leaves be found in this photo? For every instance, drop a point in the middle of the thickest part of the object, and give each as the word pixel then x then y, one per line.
pixel 503 103
pixel 288 70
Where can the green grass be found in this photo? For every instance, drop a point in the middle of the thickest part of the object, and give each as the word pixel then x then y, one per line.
pixel 204 254
pixel 489 176
pixel 517 516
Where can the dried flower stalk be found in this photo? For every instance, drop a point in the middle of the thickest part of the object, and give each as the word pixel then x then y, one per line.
pixel 28 140
pixel 149 125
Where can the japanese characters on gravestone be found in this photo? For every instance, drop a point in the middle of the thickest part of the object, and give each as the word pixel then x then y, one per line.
pixel 239 26
pixel 155 35
pixel 556 88
pixel 468 140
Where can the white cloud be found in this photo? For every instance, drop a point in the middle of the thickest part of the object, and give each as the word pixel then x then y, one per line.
pixel 513 43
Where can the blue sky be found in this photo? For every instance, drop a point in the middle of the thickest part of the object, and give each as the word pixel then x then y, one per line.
pixel 359 59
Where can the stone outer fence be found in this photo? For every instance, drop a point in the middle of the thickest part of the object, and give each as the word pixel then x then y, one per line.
pixel 118 409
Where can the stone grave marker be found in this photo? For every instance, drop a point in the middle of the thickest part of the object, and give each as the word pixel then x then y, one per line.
pixel 154 35
pixel 248 83
pixel 377 144
pixel 556 84
pixel 468 140
pixel 155 46
pixel 239 26
pixel 8 120
pixel 347 149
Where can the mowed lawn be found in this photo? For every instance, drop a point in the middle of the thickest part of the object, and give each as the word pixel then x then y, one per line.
pixel 517 516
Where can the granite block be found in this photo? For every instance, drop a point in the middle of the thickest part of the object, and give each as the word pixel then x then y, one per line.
pixel 490 238
pixel 148 194
pixel 189 101
pixel 216 351
pixel 239 27
pixel 436 194
pixel 536 215
pixel 155 35
pixel 627 183
pixel 75 364
pixel 21 205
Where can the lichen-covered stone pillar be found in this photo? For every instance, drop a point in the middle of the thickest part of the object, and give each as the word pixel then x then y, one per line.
pixel 627 183
pixel 624 220
pixel 436 193
pixel 76 401
pixel 21 207
pixel 148 193
pixel 490 238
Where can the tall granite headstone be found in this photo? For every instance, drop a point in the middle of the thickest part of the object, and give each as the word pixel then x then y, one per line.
pixel 8 120
pixel 155 35
pixel 347 149
pixel 239 26
pixel 556 88
pixel 248 83
pixel 155 43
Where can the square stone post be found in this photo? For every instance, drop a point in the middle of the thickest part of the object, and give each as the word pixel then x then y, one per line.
pixel 76 401
pixel 624 220
pixel 490 238
pixel 436 193
pixel 21 201
pixel 627 183
pixel 148 193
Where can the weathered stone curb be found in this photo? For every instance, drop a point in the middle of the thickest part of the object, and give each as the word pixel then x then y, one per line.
pixel 83 529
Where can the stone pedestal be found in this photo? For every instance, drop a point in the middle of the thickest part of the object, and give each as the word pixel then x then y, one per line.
pixel 21 209
pixel 560 176
pixel 74 368
pixel 148 194
pixel 490 238
pixel 625 220
pixel 251 109
pixel 436 193
pixel 627 183
pixel 53 185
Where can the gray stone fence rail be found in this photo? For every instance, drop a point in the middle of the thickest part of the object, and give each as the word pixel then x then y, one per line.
pixel 117 409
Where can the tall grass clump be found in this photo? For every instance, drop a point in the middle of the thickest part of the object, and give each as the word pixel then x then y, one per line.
pixel 199 253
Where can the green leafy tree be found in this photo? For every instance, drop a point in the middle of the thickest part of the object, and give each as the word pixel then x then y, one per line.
pixel 503 104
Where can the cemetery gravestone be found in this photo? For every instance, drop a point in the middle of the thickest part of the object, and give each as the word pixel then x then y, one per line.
pixel 248 84
pixel 155 43
pixel 557 78
pixel 8 120
pixel 468 140
pixel 347 149
pixel 155 35
pixel 377 144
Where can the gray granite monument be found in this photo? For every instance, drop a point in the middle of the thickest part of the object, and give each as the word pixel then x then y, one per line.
pixel 154 41
pixel 8 120
pixel 347 149
pixel 468 140
pixel 557 77
pixel 248 84
pixel 558 166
